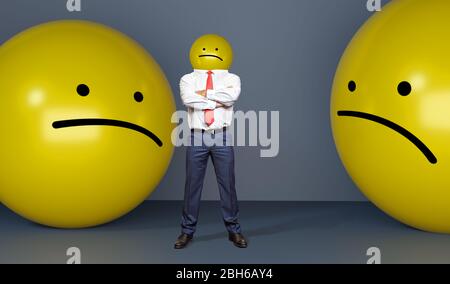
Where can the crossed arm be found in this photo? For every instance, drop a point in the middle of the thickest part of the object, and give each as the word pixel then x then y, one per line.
pixel 209 99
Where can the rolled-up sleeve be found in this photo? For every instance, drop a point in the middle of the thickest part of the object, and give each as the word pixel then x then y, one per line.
pixel 190 98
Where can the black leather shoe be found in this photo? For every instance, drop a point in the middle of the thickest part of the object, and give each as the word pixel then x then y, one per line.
pixel 182 241
pixel 238 240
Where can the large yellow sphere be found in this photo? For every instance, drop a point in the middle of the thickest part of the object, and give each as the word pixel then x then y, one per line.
pixel 84 121
pixel 390 112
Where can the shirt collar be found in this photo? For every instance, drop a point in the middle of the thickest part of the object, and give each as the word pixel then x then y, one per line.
pixel 216 71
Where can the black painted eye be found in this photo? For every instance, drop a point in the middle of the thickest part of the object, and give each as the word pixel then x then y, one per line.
pixel 139 97
pixel 83 90
pixel 351 86
pixel 404 88
pixel 217 49
pixel 204 49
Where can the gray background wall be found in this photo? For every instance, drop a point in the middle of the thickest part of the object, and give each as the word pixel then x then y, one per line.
pixel 286 54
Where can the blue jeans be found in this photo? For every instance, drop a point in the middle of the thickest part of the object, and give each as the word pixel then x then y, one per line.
pixel 222 156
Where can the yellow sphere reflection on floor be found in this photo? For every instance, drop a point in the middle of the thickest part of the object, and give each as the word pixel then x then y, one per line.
pixel 84 121
pixel 390 112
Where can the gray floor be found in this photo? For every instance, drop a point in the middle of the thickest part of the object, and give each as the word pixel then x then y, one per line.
pixel 279 232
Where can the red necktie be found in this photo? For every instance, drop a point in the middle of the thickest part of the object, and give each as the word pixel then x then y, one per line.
pixel 209 113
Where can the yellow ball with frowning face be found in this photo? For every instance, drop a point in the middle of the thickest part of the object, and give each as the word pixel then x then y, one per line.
pixel 390 112
pixel 211 52
pixel 85 122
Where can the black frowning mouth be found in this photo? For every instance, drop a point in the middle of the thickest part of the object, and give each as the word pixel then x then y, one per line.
pixel 211 55
pixel 402 131
pixel 106 122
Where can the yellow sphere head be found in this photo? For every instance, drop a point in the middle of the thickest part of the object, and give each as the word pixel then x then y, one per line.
pixel 211 52
pixel 390 112
pixel 85 117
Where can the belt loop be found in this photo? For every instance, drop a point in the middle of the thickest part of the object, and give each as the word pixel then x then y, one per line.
pixel 224 134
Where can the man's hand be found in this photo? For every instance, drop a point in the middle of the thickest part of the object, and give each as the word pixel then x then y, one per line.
pixel 201 93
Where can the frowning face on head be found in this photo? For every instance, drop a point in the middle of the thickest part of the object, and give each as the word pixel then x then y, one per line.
pixel 211 52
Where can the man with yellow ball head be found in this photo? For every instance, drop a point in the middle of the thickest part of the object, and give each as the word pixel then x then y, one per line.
pixel 209 93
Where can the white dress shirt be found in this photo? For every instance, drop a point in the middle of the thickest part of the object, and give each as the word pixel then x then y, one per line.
pixel 226 90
